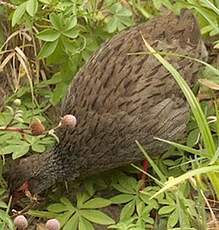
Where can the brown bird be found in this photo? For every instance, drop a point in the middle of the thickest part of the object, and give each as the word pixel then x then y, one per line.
pixel 118 98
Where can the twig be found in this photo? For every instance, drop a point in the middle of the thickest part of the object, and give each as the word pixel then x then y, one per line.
pixel 9 5
pixel 15 129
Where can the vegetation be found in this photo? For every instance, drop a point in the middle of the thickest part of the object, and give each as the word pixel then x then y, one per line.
pixel 43 43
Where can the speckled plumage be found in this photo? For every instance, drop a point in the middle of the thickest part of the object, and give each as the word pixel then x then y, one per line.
pixel 118 98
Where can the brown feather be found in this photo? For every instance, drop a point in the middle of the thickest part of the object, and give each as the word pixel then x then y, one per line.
pixel 118 98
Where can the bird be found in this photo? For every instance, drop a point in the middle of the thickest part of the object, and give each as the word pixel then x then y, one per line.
pixel 120 95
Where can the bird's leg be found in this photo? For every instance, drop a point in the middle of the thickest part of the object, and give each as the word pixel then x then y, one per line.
pixel 25 209
pixel 143 175
pixel 24 190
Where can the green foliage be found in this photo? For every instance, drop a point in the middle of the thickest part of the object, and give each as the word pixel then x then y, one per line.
pixel 136 202
pixel 69 38
pixel 120 19
pixel 5 220
pixel 19 143
pixel 136 210
pixel 200 118
pixel 80 216
pixel 61 32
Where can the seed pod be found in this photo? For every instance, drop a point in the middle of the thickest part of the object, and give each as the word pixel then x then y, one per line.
pixel 17 102
pixel 21 222
pixel 68 121
pixel 52 224
pixel 36 127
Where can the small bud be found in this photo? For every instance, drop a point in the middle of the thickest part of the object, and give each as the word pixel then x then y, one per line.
pixel 37 127
pixel 21 222
pixel 52 224
pixel 17 102
pixel 68 121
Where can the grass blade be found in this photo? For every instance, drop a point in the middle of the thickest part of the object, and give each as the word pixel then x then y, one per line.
pixel 175 181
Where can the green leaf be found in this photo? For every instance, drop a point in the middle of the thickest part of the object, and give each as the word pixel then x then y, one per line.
pixel 122 189
pixel 69 45
pixel 122 198
pixel 18 13
pixel 66 202
pixel 38 147
pixel 121 18
pixel 56 78
pixel 56 20
pixel 82 197
pixel 173 219
pixel 17 150
pixel 31 7
pixel 112 25
pixel 47 49
pixel 96 203
pixel 157 4
pixel 127 210
pixel 6 219
pixel 124 12
pixel 97 217
pixel 58 92
pixel 2 191
pixel 85 225
pixel 20 150
pixel 63 218
pixel 140 207
pixel 70 23
pixel 72 33
pixel 3 204
pixel 72 224
pixel 128 183
pixel 124 22
pixel 192 138
pixel 48 35
pixel 42 214
pixel 57 208
pixel 89 186
pixel 166 210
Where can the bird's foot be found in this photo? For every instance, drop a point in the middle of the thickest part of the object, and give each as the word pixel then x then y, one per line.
pixel 24 190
